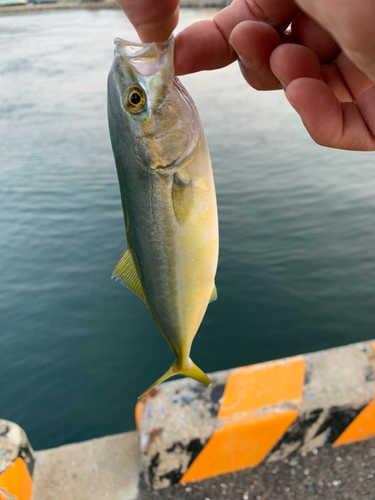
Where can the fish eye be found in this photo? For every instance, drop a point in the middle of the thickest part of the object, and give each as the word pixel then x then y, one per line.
pixel 135 99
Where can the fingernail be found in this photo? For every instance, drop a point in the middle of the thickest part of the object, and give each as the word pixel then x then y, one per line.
pixel 245 62
pixel 242 60
pixel 293 104
pixel 283 84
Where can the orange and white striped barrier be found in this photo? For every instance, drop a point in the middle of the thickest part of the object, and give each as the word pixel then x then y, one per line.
pixel 257 413
pixel 16 463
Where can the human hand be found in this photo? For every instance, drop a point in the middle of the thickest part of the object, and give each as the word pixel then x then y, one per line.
pixel 326 63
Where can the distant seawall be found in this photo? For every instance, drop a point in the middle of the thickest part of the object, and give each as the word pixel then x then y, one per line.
pixel 197 4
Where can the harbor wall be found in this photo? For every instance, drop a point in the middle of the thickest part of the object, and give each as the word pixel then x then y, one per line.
pixel 261 413
pixel 16 463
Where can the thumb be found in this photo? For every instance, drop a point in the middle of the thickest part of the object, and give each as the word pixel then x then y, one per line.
pixel 154 21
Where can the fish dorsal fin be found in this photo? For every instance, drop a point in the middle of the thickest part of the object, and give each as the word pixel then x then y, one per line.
pixel 126 271
pixel 213 296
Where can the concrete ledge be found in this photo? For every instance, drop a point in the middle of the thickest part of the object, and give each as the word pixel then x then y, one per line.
pixel 257 413
pixel 98 469
pixel 16 463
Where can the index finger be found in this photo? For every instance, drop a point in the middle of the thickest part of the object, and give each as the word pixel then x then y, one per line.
pixel 153 21
pixel 205 44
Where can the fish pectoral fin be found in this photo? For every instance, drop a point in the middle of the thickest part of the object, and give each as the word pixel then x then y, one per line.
pixel 213 296
pixel 182 198
pixel 193 372
pixel 126 271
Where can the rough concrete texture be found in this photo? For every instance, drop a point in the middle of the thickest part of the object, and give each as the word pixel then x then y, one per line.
pixel 338 384
pixel 178 418
pixel 14 444
pixel 341 473
pixel 338 377
pixel 105 468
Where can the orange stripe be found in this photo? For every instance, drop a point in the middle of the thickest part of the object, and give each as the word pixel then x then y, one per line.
pixel 249 425
pixel 240 444
pixel 265 384
pixel 362 427
pixel 138 413
pixel 17 481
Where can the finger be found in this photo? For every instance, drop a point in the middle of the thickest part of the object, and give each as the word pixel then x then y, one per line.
pixel 205 45
pixel 334 79
pixel 310 34
pixel 366 105
pixel 351 24
pixel 153 21
pixel 328 122
pixel 278 14
pixel 345 79
pixel 289 62
pixel 254 43
pixel 201 46
pixel 355 79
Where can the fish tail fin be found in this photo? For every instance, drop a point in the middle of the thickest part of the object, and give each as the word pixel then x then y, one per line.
pixel 169 373
pixel 193 372
pixel 196 373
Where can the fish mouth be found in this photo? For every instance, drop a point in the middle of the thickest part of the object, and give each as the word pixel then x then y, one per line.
pixel 125 47
pixel 148 58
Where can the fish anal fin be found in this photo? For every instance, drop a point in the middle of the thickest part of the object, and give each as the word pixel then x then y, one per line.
pixel 126 271
pixel 213 295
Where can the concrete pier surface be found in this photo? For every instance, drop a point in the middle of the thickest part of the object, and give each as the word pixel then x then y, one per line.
pixel 104 468
pixel 324 473
pixel 110 468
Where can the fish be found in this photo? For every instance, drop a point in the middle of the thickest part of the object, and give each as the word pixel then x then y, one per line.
pixel 168 195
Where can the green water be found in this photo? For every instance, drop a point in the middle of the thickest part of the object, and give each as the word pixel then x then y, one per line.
pixel 297 234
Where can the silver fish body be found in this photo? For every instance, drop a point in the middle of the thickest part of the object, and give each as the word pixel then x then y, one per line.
pixel 168 195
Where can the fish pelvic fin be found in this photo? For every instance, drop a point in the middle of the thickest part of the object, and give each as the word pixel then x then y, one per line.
pixel 193 372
